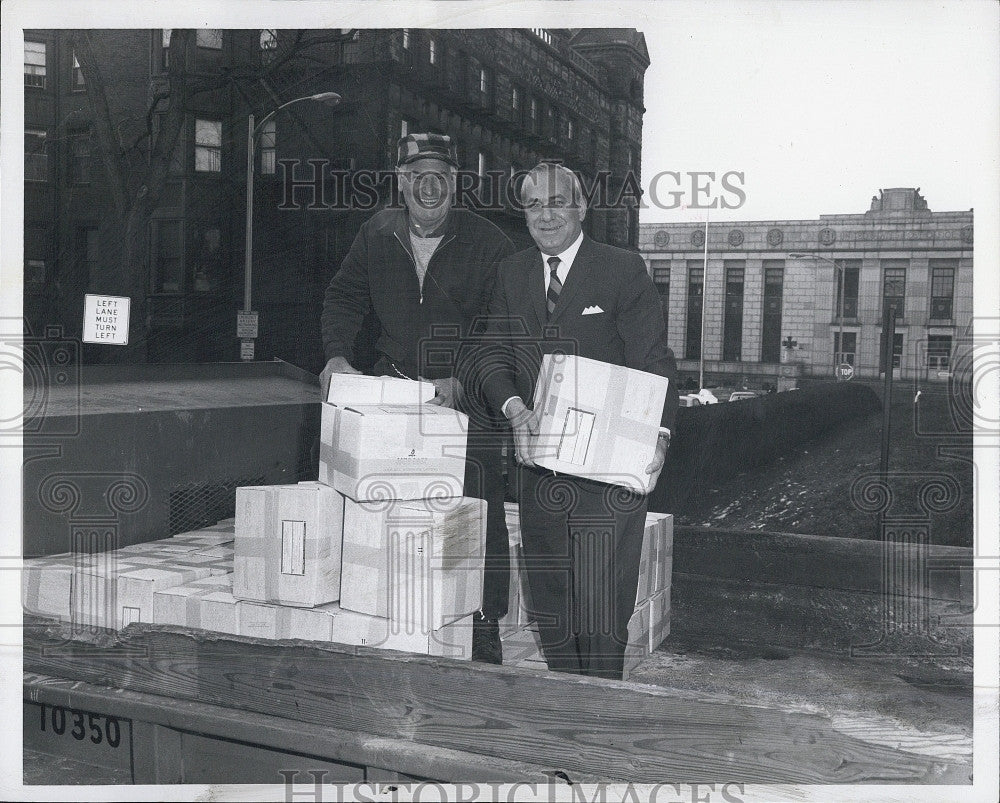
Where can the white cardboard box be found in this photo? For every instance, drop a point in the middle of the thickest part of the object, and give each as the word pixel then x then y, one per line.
pixel 208 604
pixel 347 389
pixel 418 562
pixel 659 618
pixel 637 648
pixel 597 420
pixel 384 451
pixel 287 547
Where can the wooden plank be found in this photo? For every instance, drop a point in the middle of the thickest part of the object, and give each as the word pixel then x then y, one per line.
pixel 631 732
pixel 811 560
pixel 158 757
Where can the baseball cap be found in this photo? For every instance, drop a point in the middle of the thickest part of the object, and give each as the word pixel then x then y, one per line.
pixel 426 146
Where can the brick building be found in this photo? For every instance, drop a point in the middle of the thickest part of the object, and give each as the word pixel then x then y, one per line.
pixel 772 303
pixel 509 97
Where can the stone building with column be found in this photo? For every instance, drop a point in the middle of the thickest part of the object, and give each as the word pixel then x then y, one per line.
pixel 773 307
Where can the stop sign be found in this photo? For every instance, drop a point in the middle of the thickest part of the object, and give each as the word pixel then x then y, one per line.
pixel 845 371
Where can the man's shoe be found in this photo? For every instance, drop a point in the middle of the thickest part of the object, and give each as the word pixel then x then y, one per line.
pixel 486 645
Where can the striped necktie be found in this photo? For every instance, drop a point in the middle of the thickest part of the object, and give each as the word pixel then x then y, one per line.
pixel 555 286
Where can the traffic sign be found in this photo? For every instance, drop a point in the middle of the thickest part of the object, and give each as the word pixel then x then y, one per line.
pixel 844 371
pixel 246 325
pixel 246 350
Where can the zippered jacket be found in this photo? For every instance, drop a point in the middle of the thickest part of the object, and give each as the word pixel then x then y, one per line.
pixel 379 273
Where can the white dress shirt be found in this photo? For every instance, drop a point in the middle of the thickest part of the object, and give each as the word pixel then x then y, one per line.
pixel 566 259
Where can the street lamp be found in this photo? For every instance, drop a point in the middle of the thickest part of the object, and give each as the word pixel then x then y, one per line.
pixel 839 356
pixel 331 99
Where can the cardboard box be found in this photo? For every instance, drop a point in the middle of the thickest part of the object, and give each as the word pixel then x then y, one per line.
pixel 349 389
pixel 664 561
pixel 597 420
pixel 94 598
pixel 135 590
pixel 383 452
pixel 418 562
pixel 287 547
pixel 659 618
pixel 637 648
pixel 523 645
pixel 452 640
pixel 46 586
pixel 207 604
pixel 651 537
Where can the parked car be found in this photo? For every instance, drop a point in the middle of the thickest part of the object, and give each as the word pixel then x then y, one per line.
pixel 703 396
pixel 737 395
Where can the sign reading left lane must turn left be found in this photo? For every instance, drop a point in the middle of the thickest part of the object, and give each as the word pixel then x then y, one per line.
pixel 105 319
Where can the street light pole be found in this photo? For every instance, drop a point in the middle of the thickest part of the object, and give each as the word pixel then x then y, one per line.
pixel 331 98
pixel 704 287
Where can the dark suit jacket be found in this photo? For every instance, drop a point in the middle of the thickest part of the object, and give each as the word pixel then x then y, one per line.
pixel 628 332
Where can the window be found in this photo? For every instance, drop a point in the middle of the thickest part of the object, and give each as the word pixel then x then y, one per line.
pixel 78 83
pixel 850 280
pixel 208 146
pixel 406 38
pixel 36 157
pixel 569 129
pixel 209 37
pixel 85 253
pixel 660 270
pixel 515 100
pixel 770 334
pixel 732 330
pixel 696 289
pixel 168 256
pixel 432 55
pixel 484 84
pixel 897 349
pixel 34 273
pixel 79 159
pixel 850 348
pixel 165 49
pixel 893 284
pixel 942 287
pixel 543 34
pixel 533 117
pixel 938 352
pixel 34 64
pixel 268 45
pixel 268 148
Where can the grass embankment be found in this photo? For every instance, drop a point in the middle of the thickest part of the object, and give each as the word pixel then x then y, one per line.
pixel 809 489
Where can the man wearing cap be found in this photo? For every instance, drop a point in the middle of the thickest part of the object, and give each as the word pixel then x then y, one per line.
pixel 581 539
pixel 425 270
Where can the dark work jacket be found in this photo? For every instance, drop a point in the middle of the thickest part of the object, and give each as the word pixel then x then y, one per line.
pixel 421 331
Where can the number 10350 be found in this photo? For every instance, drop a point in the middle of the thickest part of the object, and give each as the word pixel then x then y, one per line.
pixel 81 725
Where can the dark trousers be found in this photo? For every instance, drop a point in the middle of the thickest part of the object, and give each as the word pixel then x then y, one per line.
pixel 484 480
pixel 581 542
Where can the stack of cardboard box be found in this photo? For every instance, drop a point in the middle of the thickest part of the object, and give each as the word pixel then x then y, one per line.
pixel 384 550
pixel 113 589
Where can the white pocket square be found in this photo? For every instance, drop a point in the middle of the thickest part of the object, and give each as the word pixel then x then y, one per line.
pixel 594 310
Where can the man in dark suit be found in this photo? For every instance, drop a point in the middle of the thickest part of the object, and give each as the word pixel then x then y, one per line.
pixel 425 269
pixel 581 539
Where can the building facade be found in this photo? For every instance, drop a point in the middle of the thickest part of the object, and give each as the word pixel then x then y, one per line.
pixel 792 298
pixel 509 97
